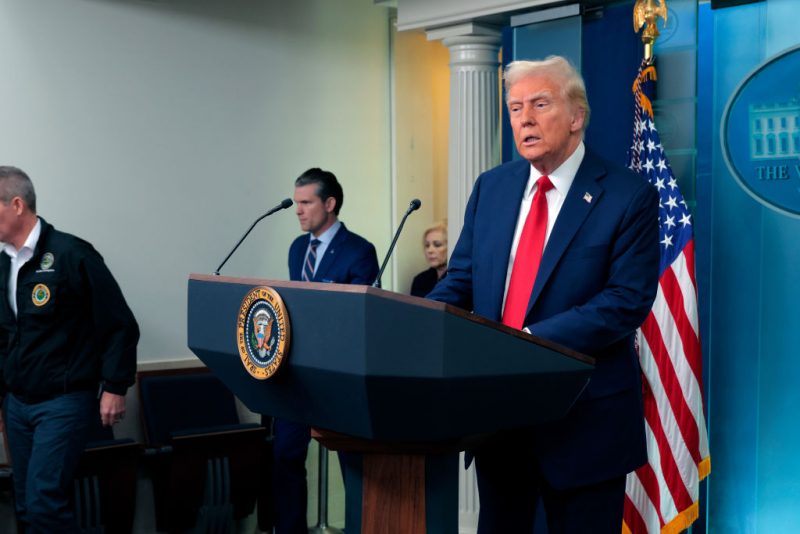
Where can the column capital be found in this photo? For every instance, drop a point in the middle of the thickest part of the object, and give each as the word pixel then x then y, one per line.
pixel 471 32
pixel 473 50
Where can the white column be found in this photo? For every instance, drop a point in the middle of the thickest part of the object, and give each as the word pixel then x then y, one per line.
pixel 474 148
pixel 474 112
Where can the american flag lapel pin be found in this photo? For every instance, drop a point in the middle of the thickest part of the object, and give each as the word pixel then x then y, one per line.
pixel 587 198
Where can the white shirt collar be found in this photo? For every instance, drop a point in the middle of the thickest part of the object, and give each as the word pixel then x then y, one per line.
pixel 563 176
pixel 30 243
pixel 327 236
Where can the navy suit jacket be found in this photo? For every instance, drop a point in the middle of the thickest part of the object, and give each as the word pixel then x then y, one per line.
pixel 596 284
pixel 349 259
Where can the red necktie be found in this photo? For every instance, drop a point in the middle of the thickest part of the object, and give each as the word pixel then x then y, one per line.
pixel 528 257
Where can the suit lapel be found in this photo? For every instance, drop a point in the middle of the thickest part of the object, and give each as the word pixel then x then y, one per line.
pixel 330 253
pixel 505 214
pixel 583 196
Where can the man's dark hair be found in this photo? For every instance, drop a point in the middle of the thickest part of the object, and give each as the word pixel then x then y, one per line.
pixel 15 183
pixel 327 185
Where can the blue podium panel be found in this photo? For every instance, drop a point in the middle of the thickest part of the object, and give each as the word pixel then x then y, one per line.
pixel 387 367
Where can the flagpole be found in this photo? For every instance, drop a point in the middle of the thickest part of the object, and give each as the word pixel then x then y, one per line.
pixel 663 495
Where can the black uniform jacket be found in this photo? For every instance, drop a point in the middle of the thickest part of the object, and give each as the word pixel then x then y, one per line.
pixel 73 330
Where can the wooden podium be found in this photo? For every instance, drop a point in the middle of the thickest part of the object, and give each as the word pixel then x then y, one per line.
pixel 403 380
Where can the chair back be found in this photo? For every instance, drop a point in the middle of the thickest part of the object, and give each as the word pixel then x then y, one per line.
pixel 182 401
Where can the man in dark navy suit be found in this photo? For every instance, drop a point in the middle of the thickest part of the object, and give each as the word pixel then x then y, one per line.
pixel 341 256
pixel 328 252
pixel 564 245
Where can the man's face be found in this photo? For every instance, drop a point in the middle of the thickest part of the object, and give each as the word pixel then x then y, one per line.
pixel 9 220
pixel 315 216
pixel 547 127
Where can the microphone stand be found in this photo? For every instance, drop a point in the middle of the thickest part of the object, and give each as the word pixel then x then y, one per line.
pixel 322 526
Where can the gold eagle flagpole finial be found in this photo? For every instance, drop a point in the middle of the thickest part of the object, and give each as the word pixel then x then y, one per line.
pixel 646 13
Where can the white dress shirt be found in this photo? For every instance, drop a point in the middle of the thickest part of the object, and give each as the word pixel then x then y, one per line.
pixel 562 179
pixel 325 239
pixel 18 259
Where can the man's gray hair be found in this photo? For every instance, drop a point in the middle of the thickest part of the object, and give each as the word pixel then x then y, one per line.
pixel 15 183
pixel 572 85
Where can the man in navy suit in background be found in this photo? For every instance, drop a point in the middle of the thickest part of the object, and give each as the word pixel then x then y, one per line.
pixel 564 245
pixel 328 252
pixel 342 256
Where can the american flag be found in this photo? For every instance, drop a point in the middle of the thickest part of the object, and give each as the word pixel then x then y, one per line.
pixel 662 496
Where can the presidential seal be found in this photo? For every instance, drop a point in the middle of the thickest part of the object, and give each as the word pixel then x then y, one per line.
pixel 40 295
pixel 262 332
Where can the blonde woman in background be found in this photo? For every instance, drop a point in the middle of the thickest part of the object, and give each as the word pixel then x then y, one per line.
pixel 434 244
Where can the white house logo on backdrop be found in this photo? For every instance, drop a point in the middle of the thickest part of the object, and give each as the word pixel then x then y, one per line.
pixel 760 133
pixel 775 130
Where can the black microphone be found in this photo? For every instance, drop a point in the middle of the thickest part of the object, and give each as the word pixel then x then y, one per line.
pixel 285 203
pixel 415 204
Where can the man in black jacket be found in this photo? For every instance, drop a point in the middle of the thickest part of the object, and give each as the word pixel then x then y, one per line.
pixel 67 338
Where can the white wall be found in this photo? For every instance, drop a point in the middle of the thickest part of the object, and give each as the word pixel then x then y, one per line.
pixel 159 130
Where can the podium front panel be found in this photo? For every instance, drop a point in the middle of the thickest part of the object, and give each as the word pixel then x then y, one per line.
pixel 380 366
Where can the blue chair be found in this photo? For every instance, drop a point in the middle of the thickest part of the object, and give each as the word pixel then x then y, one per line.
pixel 105 483
pixel 205 464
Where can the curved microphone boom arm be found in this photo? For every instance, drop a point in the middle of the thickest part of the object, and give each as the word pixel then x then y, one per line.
pixel 413 206
pixel 285 203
